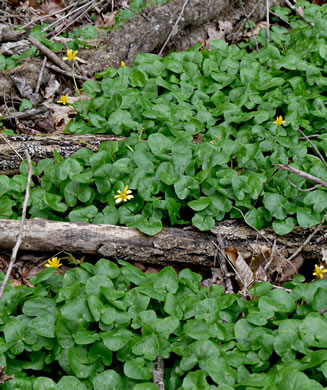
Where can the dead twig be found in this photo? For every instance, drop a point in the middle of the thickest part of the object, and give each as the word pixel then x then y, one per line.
pixel 241 24
pixel 279 17
pixel 264 185
pixel 173 30
pixel 93 4
pixel 40 75
pixel 250 25
pixel 11 147
pixel 221 257
pixel 68 74
pixel 50 54
pixel 302 190
pixel 38 20
pixel 314 147
pixel 21 227
pixel 295 9
pixel 305 175
pixel 27 113
pixel 309 238
pixel 158 373
pixel 265 238
pixel 267 20
pixel 84 4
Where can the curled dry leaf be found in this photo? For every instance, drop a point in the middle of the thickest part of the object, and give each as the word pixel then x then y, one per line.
pixel 244 274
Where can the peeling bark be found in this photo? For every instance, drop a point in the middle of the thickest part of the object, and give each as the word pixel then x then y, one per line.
pixel 170 246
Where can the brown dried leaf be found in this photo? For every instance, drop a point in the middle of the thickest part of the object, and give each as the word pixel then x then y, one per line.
pixel 289 269
pixel 244 273
pixel 232 255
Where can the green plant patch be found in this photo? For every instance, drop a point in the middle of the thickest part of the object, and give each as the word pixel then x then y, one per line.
pixel 200 140
pixel 103 326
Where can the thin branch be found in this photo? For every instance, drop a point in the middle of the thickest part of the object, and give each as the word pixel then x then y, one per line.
pixel 93 4
pixel 223 267
pixel 279 17
pixel 68 14
pixel 295 9
pixel 21 227
pixel 305 175
pixel 50 54
pixel 27 113
pixel 250 25
pixel 47 15
pixel 174 28
pixel 309 238
pixel 264 185
pixel 241 24
pixel 11 147
pixel 264 237
pixel 40 75
pixel 314 147
pixel 267 20
pixel 302 190
pixel 68 74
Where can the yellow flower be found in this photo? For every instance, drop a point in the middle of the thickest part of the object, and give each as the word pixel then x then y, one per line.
pixel 122 64
pixel 123 196
pixel 53 263
pixel 71 55
pixel 319 271
pixel 63 99
pixel 279 121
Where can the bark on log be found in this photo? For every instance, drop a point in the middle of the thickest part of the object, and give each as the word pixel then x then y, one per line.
pixel 40 147
pixel 148 31
pixel 171 246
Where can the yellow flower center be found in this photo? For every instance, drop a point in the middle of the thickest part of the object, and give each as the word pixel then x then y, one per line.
pixel 63 99
pixel 71 55
pixel 123 196
pixel 319 271
pixel 53 263
pixel 279 121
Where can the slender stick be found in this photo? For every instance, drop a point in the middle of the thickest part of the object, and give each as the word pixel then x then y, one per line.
pixel 250 25
pixel 21 227
pixel 305 175
pixel 267 19
pixel 309 238
pixel 173 29
pixel 314 147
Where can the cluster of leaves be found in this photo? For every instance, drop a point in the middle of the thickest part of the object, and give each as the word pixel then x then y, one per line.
pixel 200 139
pixel 226 97
pixel 101 326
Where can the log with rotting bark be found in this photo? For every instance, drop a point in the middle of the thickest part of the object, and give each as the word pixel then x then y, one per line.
pixel 148 31
pixel 173 246
pixel 40 147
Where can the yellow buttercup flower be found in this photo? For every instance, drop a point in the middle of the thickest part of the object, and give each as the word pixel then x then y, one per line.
pixel 71 55
pixel 123 196
pixel 279 121
pixel 319 271
pixel 122 64
pixel 63 99
pixel 53 263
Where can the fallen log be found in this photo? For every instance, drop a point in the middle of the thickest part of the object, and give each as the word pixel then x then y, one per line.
pixel 170 246
pixel 40 147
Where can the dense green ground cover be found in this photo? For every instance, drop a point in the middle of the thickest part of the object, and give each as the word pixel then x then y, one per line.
pixel 102 326
pixel 229 96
